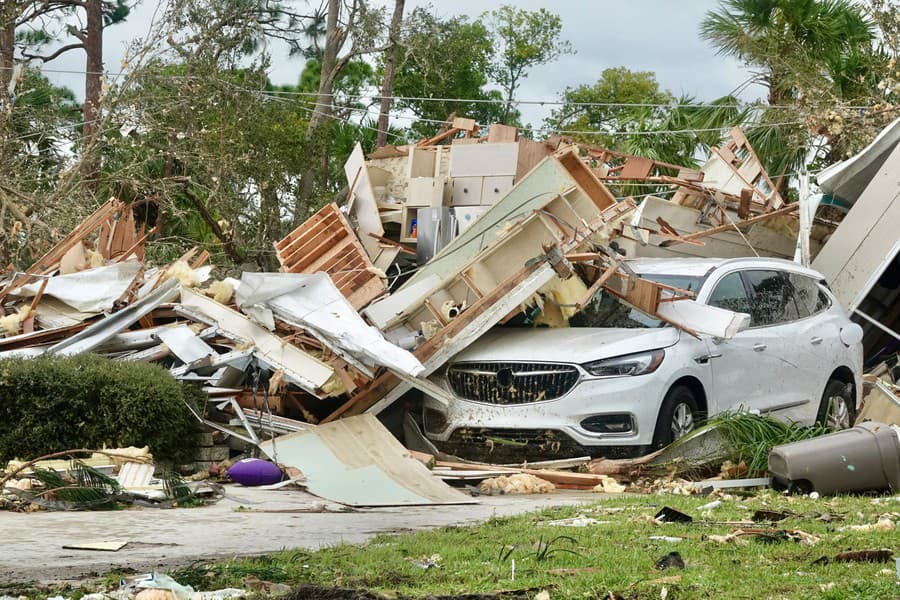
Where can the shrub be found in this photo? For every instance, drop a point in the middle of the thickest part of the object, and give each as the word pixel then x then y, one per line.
pixel 51 404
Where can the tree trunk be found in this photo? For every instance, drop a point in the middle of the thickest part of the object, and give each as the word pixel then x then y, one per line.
pixel 390 62
pixel 93 47
pixel 7 49
pixel 334 40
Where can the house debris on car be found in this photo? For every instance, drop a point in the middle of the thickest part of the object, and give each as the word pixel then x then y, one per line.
pixel 438 243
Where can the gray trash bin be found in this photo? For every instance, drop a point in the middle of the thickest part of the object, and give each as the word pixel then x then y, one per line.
pixel 862 458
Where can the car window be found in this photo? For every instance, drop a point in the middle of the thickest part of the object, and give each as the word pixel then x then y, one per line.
pixel 605 310
pixel 683 282
pixel 772 298
pixel 730 294
pixel 810 297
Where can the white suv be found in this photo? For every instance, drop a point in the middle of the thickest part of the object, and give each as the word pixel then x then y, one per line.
pixel 617 382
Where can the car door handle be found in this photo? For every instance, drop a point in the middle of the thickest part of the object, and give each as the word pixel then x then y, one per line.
pixel 759 347
pixel 702 360
pixel 815 341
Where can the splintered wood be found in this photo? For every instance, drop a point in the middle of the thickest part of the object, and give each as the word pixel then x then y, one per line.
pixel 325 242
pixel 117 239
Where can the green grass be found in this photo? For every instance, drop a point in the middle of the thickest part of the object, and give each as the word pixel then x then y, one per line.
pixel 616 556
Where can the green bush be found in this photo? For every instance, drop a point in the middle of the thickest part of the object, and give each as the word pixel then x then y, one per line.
pixel 51 404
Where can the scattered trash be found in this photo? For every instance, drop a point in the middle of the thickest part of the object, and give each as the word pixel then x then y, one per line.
pixel 105 545
pixel 670 515
pixel 428 562
pixel 672 560
pixel 665 538
pixel 882 555
pixel 254 471
pixel 710 505
pixel 609 486
pixel 579 521
pixel 883 525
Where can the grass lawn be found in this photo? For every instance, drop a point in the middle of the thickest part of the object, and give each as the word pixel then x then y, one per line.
pixel 614 557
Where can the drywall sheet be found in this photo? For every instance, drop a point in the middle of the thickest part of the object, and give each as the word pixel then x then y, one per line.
pixel 313 302
pixel 364 208
pixel 701 318
pixel 184 343
pixel 356 461
pixel 90 291
pixel 299 367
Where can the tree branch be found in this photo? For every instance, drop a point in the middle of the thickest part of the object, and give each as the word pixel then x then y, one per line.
pixel 54 55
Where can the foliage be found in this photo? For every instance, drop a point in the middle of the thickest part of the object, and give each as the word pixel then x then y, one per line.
pixel 628 112
pixel 35 134
pixel 442 62
pixel 524 39
pixel 749 437
pixel 51 404
pixel 821 61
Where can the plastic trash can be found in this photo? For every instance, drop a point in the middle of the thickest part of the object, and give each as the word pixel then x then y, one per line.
pixel 862 458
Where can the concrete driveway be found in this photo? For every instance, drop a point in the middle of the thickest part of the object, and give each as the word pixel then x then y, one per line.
pixel 247 521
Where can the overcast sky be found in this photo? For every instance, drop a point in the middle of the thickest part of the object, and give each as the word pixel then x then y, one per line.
pixel 643 35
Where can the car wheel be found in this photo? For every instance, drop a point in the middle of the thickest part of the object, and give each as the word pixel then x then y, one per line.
pixel 678 416
pixel 837 411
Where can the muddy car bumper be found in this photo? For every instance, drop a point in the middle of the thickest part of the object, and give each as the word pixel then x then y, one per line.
pixel 596 412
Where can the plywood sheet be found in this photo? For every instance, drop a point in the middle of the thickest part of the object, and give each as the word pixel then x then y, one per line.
pixel 356 461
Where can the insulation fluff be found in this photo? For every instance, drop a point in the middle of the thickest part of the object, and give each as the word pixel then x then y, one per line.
pixel 94 259
pixel 608 485
pixel 11 324
pixel 183 273
pixel 221 291
pixel 520 483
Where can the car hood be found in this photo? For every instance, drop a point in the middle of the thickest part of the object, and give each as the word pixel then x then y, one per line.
pixel 568 345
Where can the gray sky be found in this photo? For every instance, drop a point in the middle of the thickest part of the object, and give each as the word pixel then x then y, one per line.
pixel 643 35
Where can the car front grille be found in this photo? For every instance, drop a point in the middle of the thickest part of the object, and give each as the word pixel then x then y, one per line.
pixel 511 445
pixel 511 383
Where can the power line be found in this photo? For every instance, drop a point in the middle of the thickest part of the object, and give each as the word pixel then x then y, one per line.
pixel 523 102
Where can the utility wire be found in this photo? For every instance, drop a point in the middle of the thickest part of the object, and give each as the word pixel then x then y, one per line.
pixel 524 102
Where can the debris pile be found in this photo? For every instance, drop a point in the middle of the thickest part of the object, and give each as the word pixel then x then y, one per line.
pixel 436 244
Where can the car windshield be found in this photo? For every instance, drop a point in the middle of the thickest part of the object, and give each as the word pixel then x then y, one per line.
pixel 606 310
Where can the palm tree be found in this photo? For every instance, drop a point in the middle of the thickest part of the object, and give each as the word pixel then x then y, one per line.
pixel 772 35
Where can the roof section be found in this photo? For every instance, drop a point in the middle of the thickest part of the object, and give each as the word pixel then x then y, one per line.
pixel 846 180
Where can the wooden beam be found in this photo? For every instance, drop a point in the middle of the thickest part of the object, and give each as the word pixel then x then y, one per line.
pixel 728 226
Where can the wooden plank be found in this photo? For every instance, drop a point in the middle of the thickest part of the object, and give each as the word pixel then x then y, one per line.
pixel 48 262
pixel 499 134
pixel 601 281
pixel 714 230
pixel 530 154
pixel 586 180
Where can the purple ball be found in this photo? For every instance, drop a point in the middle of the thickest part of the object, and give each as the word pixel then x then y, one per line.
pixel 255 471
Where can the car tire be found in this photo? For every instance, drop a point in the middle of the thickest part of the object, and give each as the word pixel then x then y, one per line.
pixel 837 410
pixel 678 416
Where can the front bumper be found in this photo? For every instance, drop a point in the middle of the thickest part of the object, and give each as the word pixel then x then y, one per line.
pixel 559 427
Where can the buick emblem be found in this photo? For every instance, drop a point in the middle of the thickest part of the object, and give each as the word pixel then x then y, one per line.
pixel 504 378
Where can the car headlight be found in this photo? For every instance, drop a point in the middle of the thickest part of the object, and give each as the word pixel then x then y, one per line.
pixel 639 363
